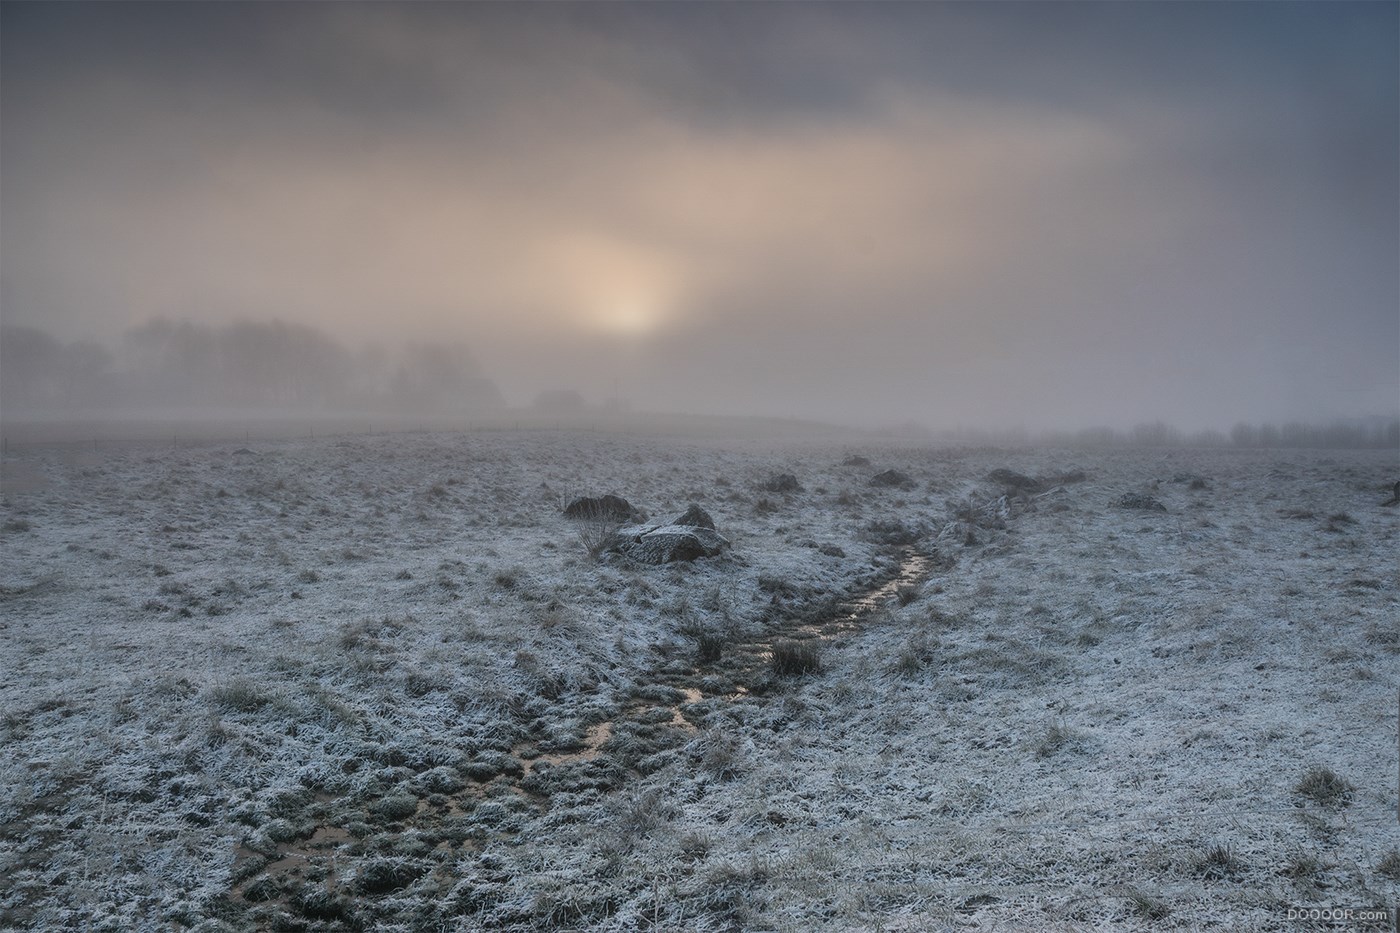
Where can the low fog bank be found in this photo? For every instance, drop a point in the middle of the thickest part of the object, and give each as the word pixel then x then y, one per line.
pixel 165 366
pixel 171 381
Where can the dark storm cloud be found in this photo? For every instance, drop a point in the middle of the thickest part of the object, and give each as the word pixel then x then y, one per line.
pixel 1047 213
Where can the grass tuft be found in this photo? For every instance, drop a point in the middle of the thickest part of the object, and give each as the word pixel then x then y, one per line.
pixel 1057 737
pixel 709 647
pixel 1303 868
pixel 796 658
pixel 1326 787
pixel 1219 863
pixel 385 875
pixel 239 696
pixel 1147 906
pixel 598 536
pixel 918 653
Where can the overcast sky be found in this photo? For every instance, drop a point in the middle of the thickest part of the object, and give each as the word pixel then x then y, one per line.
pixel 1049 215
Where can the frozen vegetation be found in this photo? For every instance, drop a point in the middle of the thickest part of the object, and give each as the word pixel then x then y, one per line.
pixel 385 683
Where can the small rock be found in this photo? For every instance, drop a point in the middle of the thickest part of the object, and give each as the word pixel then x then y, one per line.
pixel 782 482
pixel 1133 500
pixel 604 508
pixel 695 517
pixel 892 478
pixel 1013 480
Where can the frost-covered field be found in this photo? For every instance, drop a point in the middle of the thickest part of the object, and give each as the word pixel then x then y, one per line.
pixel 381 683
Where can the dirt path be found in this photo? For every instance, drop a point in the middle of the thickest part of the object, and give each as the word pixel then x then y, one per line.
pixel 275 874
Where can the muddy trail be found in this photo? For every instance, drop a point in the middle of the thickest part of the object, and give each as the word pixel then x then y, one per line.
pixel 391 834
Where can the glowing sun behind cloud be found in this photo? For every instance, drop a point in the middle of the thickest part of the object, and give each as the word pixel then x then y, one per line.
pixel 629 316
pixel 616 287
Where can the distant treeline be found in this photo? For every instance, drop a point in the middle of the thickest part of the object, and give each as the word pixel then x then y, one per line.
pixel 245 365
pixel 1359 433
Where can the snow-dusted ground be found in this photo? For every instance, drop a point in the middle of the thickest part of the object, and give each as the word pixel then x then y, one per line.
pixel 379 682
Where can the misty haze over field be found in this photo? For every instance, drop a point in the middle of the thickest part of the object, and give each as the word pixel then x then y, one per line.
pixel 1051 216
pixel 699 467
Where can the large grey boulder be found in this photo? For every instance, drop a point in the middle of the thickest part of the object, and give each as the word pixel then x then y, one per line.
pixel 689 536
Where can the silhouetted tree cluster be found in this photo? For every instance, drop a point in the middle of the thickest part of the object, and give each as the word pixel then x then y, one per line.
pixel 432 377
pixel 243 365
pixel 1378 433
pixel 559 402
pixel 38 371
pixel 1366 433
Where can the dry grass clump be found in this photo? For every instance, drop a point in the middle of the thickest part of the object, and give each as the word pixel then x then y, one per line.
pixel 796 658
pixel 893 533
pixel 765 506
pixel 1385 637
pixel 598 536
pixel 918 653
pixel 1057 737
pixel 694 846
pixel 1304 869
pixel 384 875
pixel 421 683
pixel 709 647
pixel 369 633
pixel 1147 906
pixel 727 888
pixel 571 906
pixel 1326 787
pixel 1219 863
pixel 712 637
pixel 316 903
pixel 240 695
pixel 1008 662
pixel 718 753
